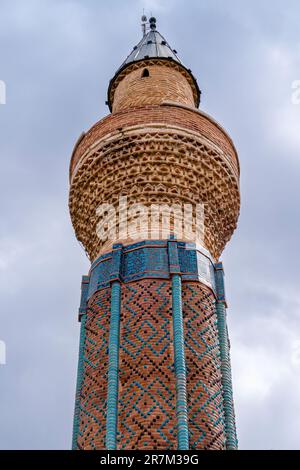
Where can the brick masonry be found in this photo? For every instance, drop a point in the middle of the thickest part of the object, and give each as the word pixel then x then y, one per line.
pixel 205 401
pixel 92 417
pixel 155 148
pixel 165 114
pixel 147 385
pixel 147 401
pixel 163 83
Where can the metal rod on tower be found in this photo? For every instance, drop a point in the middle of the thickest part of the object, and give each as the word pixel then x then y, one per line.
pixel 144 24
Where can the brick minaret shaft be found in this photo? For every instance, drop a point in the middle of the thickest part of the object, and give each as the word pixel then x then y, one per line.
pixel 154 367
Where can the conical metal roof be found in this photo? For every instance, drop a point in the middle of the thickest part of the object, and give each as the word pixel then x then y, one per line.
pixel 153 44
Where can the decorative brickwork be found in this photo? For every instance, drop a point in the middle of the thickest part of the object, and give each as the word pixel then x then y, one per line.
pixel 154 366
pixel 147 397
pixel 93 396
pixel 205 400
pixel 161 116
pixel 156 166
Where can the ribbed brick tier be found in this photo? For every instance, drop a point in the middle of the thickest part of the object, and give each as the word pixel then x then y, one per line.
pixel 188 118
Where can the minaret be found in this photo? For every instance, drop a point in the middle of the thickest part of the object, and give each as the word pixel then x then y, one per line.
pixel 154 198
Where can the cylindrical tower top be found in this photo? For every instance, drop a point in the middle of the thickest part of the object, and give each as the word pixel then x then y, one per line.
pixel 151 74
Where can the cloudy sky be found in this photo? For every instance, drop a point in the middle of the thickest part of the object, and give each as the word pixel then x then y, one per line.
pixel 56 58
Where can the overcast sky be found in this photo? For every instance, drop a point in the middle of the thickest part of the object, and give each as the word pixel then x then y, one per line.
pixel 56 58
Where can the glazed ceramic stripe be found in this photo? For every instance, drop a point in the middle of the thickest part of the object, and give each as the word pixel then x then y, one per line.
pixel 113 367
pixel 180 367
pixel 231 439
pixel 230 428
pixel 80 368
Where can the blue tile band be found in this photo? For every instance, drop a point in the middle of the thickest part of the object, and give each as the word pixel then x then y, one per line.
pixel 80 370
pixel 230 426
pixel 220 284
pixel 174 266
pixel 116 263
pixel 152 259
pixel 113 367
pixel 180 366
pixel 84 295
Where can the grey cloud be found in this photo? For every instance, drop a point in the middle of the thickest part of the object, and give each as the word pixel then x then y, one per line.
pixel 56 58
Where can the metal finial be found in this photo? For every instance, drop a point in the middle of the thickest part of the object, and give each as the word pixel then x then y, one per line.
pixel 144 24
pixel 152 22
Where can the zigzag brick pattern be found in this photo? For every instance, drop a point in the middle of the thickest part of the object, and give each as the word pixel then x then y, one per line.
pixel 204 389
pixel 94 386
pixel 147 394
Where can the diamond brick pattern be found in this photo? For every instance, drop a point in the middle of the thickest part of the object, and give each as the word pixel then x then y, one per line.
pixel 94 387
pixel 147 395
pixel 205 401
pixel 147 384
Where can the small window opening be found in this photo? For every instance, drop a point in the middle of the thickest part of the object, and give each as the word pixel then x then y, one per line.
pixel 145 73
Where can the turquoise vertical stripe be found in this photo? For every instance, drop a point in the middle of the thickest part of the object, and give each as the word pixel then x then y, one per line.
pixel 76 422
pixel 230 428
pixel 180 366
pixel 113 367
